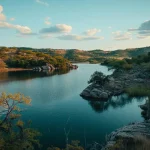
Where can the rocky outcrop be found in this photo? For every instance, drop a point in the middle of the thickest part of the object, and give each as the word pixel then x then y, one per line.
pixel 117 83
pixel 48 67
pixel 146 109
pixel 129 132
pixel 133 131
pixel 71 66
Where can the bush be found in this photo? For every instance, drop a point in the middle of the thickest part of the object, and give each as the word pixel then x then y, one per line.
pixel 138 90
pixel 138 143
pixel 2 65
pixel 98 77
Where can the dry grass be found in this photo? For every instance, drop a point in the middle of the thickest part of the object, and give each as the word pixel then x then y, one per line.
pixel 139 143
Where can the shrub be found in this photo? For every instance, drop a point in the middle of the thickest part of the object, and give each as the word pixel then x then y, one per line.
pixel 138 90
pixel 98 77
pixel 138 143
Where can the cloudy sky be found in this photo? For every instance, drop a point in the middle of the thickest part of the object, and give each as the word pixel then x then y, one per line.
pixel 82 24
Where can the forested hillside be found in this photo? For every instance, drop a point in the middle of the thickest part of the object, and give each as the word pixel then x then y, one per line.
pixel 23 58
pixel 74 55
pixel 93 56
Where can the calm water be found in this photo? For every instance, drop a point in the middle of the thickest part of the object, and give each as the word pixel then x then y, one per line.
pixel 56 105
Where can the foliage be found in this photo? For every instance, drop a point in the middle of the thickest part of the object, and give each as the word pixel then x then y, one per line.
pixel 15 134
pixel 117 64
pixel 138 90
pixel 73 146
pixel 30 59
pixel 98 77
pixel 138 143
pixel 75 55
pixel 2 64
pixel 143 60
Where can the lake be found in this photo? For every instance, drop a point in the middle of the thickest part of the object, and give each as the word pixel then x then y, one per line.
pixel 56 105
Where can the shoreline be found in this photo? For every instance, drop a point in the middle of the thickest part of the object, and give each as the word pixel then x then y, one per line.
pixel 133 82
pixel 13 69
pixel 121 81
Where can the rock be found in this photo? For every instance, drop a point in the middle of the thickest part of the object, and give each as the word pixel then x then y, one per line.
pixel 104 95
pixel 43 68
pixel 95 93
pixel 117 83
pixel 85 93
pixel 129 132
pixel 111 79
pixel 139 80
pixel 144 107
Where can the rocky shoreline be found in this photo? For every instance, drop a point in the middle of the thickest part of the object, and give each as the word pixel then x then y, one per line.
pixel 117 83
pixel 50 67
pixel 129 132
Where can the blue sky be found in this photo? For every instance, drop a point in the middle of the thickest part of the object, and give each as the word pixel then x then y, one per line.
pixel 81 24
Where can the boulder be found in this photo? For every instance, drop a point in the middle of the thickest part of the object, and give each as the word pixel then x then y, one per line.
pixel 117 83
pixel 104 95
pixel 128 132
pixel 85 93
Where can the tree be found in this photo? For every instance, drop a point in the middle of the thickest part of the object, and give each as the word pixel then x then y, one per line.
pixel 2 64
pixel 98 77
pixel 73 146
pixel 14 133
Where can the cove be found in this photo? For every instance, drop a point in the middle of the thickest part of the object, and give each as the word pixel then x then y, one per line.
pixel 56 105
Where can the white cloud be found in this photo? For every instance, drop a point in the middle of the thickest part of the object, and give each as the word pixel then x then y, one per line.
pixel 109 27
pixel 12 19
pixel 42 2
pixel 79 37
pixel 2 16
pixel 1 9
pixel 92 32
pixel 24 30
pixel 58 28
pixel 119 35
pixel 143 37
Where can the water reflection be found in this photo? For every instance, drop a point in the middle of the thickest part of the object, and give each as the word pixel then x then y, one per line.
pixel 55 98
pixel 28 75
pixel 114 102
pixel 146 109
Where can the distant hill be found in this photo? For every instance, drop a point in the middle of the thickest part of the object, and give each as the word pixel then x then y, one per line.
pixel 30 58
pixel 93 56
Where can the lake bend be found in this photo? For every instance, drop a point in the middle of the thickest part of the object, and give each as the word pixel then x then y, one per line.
pixel 56 105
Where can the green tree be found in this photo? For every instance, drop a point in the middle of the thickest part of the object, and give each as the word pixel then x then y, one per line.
pixel 2 65
pixel 14 133
pixel 98 77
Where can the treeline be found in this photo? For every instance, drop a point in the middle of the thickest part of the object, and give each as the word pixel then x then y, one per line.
pixel 15 58
pixel 143 60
